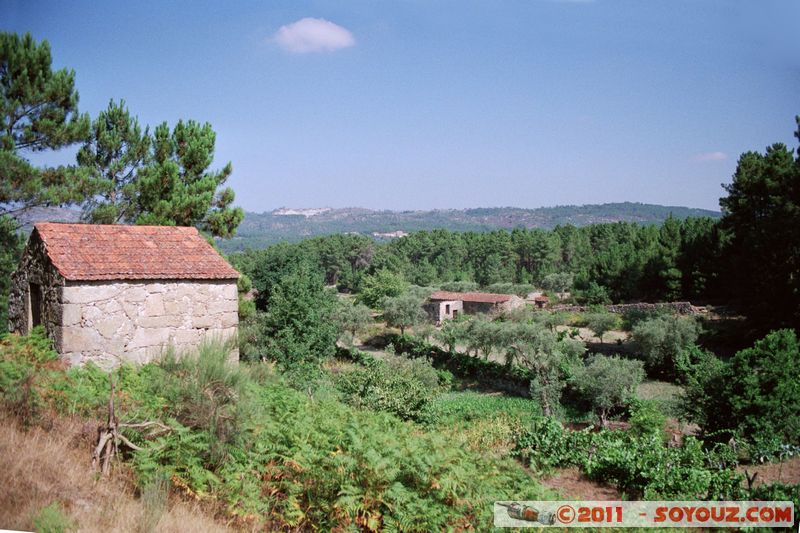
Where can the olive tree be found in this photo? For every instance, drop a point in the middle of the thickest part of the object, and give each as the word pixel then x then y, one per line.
pixel 608 382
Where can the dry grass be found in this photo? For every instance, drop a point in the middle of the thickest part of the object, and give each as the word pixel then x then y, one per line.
pixel 39 467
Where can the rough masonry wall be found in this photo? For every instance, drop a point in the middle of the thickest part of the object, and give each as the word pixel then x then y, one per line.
pixel 111 322
pixel 34 267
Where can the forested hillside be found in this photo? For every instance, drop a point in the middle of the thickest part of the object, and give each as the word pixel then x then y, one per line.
pixel 261 229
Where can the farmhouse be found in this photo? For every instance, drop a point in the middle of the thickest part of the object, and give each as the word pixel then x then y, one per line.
pixel 444 305
pixel 109 294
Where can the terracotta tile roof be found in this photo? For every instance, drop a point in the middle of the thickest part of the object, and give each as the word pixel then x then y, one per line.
pixel 105 252
pixel 479 297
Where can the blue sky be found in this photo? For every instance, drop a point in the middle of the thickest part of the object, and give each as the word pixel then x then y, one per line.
pixel 446 104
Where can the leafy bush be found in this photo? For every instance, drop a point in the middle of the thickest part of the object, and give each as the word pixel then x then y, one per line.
pixel 758 391
pixel 607 383
pixel 297 328
pixel 640 465
pixel 285 460
pixel 661 341
pixel 460 286
pixel 646 418
pixel 382 284
pixel 400 386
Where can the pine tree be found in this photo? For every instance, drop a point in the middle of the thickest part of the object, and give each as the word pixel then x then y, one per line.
pixel 38 111
pixel 177 187
pixel 114 155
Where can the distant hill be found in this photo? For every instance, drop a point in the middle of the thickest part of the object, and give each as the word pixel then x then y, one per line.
pixel 262 229
pixel 47 214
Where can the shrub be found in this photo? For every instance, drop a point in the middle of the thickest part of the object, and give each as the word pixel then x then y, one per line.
pixel 608 383
pixel 646 418
pixel 401 390
pixel 293 461
pixel 53 519
pixel 298 328
pixel 759 391
pixel 460 286
pixel 662 339
pixel 640 465
pixel 382 284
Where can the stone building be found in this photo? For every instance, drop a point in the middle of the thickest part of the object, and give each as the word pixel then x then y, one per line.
pixel 109 294
pixel 445 305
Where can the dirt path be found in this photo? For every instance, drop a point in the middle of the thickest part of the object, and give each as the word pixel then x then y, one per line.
pixel 787 472
pixel 572 484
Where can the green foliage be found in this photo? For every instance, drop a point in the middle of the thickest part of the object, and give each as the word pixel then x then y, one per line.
pixel 549 359
pixel 11 244
pixel 176 186
pixel 609 382
pixel 593 294
pixel 201 392
pixel 512 378
pixel 460 286
pixel 247 308
pixel 298 327
pixel 639 465
pixel 761 216
pixel 759 391
pixel 404 311
pixel 276 458
pixel 558 281
pixel 385 387
pixel 352 317
pixel 646 418
pixel 113 157
pixel 38 112
pixel 380 285
pixel 53 519
pixel 27 371
pixel 463 408
pixel 266 268
pixel 601 321
pixel 662 339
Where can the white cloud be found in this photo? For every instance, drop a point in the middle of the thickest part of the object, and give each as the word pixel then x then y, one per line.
pixel 711 156
pixel 309 35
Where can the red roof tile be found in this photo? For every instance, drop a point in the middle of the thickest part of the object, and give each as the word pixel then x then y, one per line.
pixel 479 297
pixel 105 252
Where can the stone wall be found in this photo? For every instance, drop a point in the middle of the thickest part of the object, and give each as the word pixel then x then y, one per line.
pixel 438 310
pixel 111 322
pixel 683 308
pixel 34 267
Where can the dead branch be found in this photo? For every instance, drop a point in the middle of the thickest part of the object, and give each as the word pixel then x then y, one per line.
pixel 110 439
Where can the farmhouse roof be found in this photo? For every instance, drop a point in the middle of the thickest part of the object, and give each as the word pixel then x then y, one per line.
pixel 478 297
pixel 108 252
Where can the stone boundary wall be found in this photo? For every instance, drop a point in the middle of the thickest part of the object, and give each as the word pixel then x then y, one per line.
pixel 108 323
pixel 683 308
